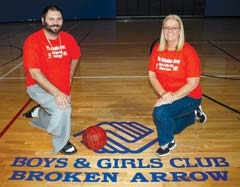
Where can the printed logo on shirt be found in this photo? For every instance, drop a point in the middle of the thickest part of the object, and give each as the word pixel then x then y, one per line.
pixel 56 51
pixel 167 64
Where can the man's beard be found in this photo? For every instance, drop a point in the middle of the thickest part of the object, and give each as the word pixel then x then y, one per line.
pixel 54 29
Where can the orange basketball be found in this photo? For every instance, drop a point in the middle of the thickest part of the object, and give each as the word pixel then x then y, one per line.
pixel 94 137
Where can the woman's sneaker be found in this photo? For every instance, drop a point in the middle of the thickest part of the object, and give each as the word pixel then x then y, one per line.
pixel 200 115
pixel 165 150
pixel 172 145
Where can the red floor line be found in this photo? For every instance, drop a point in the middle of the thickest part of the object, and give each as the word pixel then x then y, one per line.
pixel 14 118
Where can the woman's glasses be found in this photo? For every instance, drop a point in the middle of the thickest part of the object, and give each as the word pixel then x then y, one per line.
pixel 174 29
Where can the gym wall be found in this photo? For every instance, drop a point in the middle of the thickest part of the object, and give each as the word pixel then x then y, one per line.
pixel 30 10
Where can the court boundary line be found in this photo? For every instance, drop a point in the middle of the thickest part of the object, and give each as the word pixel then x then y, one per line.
pixel 14 118
pixel 224 51
pixel 221 104
pixel 14 59
pixel 13 69
pixel 120 76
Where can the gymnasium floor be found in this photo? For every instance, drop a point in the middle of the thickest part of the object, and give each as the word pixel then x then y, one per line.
pixel 111 89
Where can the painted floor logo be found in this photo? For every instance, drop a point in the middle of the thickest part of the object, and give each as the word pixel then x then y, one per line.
pixel 124 137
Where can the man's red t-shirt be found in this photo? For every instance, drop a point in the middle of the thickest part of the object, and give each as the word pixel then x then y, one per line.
pixel 52 57
pixel 172 68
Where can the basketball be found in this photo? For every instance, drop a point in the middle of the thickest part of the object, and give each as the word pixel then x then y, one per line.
pixel 94 137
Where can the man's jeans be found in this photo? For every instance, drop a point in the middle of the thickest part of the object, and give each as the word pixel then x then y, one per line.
pixel 52 119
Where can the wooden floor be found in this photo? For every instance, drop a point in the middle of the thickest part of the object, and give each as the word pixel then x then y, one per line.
pixel 111 89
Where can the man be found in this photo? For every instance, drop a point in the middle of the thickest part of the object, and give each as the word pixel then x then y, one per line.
pixel 50 57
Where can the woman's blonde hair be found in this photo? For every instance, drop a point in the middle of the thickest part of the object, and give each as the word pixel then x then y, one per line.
pixel 181 40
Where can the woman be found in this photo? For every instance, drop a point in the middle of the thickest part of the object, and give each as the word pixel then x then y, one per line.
pixel 174 73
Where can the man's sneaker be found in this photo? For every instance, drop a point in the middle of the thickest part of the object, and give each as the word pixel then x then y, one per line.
pixel 165 150
pixel 68 149
pixel 200 115
pixel 33 112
